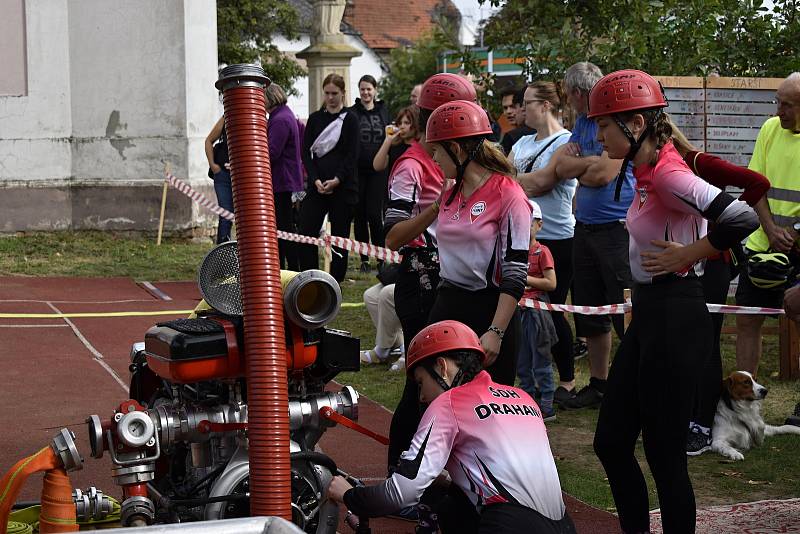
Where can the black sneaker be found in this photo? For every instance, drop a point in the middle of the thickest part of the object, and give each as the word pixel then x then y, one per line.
pixel 697 442
pixel 579 349
pixel 562 395
pixel 588 397
pixel 365 268
pixel 548 415
pixel 794 419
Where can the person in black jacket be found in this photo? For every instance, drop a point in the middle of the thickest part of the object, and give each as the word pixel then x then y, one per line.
pixel 372 118
pixel 332 186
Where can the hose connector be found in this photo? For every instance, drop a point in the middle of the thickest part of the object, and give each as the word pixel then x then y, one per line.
pixel 64 447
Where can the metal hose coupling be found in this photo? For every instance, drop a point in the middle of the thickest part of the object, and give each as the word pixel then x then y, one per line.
pixel 91 505
pixel 64 447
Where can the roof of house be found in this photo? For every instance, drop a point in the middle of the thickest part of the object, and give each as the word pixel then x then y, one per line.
pixel 385 24
pixel 388 24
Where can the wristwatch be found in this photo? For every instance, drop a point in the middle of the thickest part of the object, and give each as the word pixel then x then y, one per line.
pixel 497 330
pixel 796 227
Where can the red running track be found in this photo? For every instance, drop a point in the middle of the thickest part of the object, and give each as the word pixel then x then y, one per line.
pixel 59 371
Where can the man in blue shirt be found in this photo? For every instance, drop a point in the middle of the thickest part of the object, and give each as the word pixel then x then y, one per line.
pixel 600 244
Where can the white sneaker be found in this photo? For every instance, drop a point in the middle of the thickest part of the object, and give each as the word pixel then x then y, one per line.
pixel 399 365
pixel 368 357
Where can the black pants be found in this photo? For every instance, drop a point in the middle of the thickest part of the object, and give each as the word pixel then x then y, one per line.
pixel 716 280
pixel 650 390
pixel 476 310
pixel 414 294
pixel 368 220
pixel 562 351
pixel 312 213
pixel 457 515
pixel 284 220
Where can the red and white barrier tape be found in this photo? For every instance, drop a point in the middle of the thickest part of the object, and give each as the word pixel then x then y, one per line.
pixel 611 309
pixel 393 257
pixel 324 241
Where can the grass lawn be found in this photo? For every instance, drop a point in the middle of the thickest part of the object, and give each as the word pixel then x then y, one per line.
pixel 772 471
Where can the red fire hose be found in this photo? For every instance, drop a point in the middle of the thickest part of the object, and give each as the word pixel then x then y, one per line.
pixel 262 295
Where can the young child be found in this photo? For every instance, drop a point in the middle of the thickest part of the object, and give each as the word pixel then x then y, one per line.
pixel 535 362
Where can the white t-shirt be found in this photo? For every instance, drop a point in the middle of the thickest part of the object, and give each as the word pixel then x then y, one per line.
pixel 559 222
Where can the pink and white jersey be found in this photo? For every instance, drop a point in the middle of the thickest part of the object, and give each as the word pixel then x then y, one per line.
pixel 672 204
pixel 415 182
pixel 484 239
pixel 492 441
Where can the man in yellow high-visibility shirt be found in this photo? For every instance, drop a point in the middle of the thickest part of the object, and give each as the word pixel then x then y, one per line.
pixel 776 156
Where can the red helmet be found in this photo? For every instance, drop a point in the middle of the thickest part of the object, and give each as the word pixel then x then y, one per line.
pixel 457 119
pixel 625 90
pixel 445 87
pixel 440 337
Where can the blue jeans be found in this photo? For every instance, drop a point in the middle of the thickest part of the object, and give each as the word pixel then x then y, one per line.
pixel 535 362
pixel 222 187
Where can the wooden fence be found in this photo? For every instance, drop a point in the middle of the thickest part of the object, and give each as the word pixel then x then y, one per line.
pixel 721 115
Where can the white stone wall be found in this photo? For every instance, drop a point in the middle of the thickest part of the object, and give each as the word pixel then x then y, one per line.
pixel 35 129
pixel 115 89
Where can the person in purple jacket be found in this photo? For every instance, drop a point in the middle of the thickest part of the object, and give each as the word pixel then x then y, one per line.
pixel 284 139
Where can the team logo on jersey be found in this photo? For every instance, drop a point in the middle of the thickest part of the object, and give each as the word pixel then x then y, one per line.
pixel 642 196
pixel 477 209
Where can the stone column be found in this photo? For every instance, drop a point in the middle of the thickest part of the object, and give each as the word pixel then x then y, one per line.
pixel 329 51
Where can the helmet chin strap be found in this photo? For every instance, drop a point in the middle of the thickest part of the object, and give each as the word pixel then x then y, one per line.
pixel 636 144
pixel 441 381
pixel 460 167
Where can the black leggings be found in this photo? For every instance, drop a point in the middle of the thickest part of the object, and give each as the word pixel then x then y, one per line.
pixel 476 310
pixel 414 294
pixel 650 390
pixel 368 219
pixel 562 351
pixel 312 213
pixel 716 280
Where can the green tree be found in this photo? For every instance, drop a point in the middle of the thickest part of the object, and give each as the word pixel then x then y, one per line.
pixel 669 37
pixel 244 35
pixel 411 65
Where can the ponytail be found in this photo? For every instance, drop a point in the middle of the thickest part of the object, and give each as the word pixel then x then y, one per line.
pixel 682 144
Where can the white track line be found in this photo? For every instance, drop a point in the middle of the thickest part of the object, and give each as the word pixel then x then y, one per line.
pixel 97 356
pixel 155 291
pixel 34 325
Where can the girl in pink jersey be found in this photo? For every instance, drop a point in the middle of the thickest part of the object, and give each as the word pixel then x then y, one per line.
pixel 651 384
pixel 415 182
pixel 483 230
pixel 491 439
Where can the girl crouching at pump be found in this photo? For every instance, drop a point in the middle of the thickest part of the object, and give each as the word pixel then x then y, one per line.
pixel 651 384
pixel 483 229
pixel 490 437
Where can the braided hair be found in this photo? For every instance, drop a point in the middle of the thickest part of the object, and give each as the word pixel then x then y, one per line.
pixel 468 361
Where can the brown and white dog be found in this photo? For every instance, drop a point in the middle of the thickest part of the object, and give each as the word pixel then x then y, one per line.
pixel 738 424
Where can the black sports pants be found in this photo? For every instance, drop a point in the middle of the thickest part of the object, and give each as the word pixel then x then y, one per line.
pixel 562 351
pixel 651 388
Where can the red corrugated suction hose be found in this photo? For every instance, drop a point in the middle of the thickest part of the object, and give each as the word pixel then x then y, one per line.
pixel 262 295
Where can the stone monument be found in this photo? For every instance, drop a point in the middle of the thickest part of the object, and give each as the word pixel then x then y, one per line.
pixel 329 51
